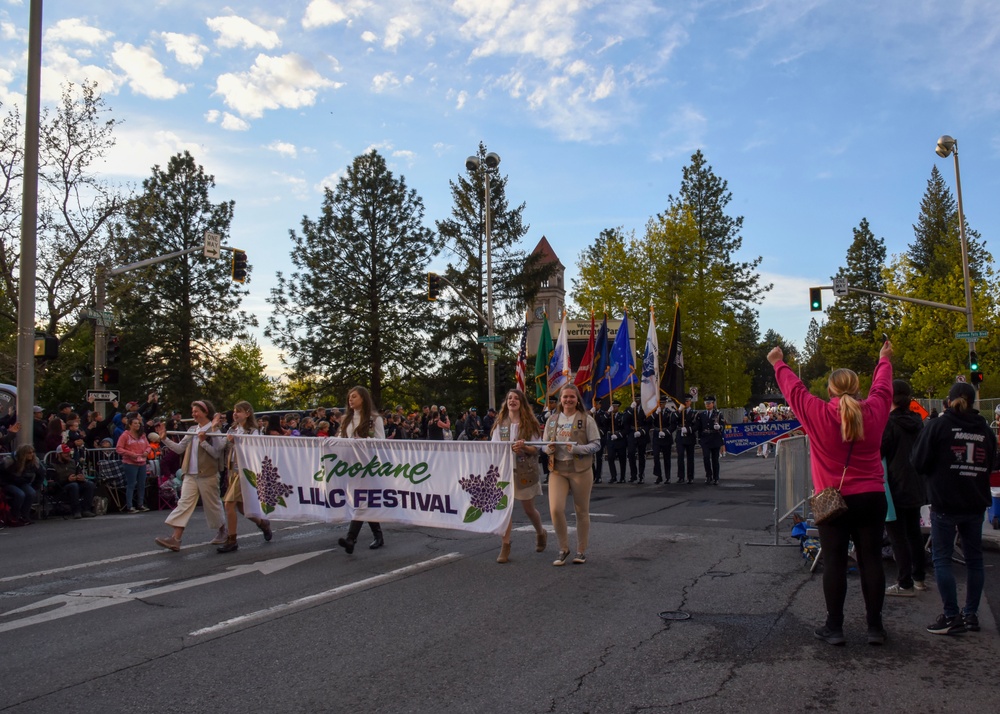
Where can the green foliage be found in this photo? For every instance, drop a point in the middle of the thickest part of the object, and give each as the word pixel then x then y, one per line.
pixel 355 310
pixel 763 382
pixel 174 315
pixel 516 279
pixel 687 252
pixel 240 375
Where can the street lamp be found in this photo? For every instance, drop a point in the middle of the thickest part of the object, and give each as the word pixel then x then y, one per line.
pixel 947 146
pixel 472 163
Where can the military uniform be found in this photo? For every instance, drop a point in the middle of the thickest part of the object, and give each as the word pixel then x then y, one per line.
pixel 710 426
pixel 603 421
pixel 683 423
pixel 617 445
pixel 636 439
pixel 662 440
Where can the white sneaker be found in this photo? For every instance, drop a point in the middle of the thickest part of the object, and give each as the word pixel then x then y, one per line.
pixel 919 585
pixel 899 592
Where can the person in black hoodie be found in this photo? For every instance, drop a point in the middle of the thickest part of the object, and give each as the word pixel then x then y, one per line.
pixel 956 452
pixel 909 492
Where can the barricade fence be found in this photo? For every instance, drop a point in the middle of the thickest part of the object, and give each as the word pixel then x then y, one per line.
pixel 792 482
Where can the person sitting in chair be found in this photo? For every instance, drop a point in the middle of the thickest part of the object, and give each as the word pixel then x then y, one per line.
pixel 74 488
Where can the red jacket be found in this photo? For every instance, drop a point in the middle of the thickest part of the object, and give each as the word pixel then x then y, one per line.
pixel 828 453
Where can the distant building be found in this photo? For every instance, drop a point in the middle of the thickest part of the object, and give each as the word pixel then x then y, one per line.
pixel 551 301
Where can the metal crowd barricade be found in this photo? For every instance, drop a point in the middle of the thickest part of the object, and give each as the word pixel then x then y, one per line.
pixel 792 482
pixel 105 467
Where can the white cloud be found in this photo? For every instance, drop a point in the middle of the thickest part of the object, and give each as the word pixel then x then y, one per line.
pixel 10 31
pixel 73 30
pixel 546 30
pixel 328 182
pixel 233 123
pixel 287 81
pixel 212 115
pixel 236 31
pixel 388 80
pixel 139 147
pixel 406 155
pixel 320 13
pixel 283 148
pixel 461 99
pixel 145 73
pixel 397 29
pixel 59 67
pixel 368 36
pixel 186 49
pixel 298 185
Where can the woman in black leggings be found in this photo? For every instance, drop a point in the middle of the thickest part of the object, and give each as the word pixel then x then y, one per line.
pixel 845 436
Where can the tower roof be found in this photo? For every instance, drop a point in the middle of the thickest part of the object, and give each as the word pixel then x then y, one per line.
pixel 548 255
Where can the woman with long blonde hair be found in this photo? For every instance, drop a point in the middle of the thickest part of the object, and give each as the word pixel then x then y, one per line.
pixel 845 438
pixel 244 423
pixel 516 424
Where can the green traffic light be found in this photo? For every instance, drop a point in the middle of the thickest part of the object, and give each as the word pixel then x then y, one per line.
pixel 973 361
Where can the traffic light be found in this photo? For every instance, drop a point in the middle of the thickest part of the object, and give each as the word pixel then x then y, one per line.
pixel 114 349
pixel 973 361
pixel 433 286
pixel 977 377
pixel 239 265
pixel 815 300
pixel 109 376
pixel 46 346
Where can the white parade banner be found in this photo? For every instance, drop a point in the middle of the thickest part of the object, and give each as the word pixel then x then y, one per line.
pixel 464 485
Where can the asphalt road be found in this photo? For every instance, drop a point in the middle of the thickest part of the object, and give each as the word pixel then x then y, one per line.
pixel 95 618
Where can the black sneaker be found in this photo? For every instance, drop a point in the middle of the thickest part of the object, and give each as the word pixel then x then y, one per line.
pixel 876 636
pixel 833 637
pixel 971 621
pixel 947 625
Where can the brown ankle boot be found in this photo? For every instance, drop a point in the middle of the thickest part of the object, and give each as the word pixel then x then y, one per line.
pixel 541 539
pixel 504 553
pixel 229 546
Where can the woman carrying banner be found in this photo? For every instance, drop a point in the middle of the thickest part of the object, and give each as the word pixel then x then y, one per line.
pixel 361 421
pixel 845 437
pixel 570 469
pixel 515 424
pixel 243 423
pixel 201 475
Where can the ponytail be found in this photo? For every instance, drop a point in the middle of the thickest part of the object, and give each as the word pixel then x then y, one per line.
pixel 959 405
pixel 844 384
pixel 852 425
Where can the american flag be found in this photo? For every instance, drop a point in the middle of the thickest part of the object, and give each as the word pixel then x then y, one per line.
pixel 522 359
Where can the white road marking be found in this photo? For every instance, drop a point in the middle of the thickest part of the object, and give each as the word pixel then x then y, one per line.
pixel 131 556
pixel 88 599
pixel 319 598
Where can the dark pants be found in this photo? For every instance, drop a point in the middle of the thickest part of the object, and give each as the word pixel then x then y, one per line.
pixel 355 530
pixel 79 495
pixel 616 457
pixel 685 457
pixel 599 460
pixel 710 457
pixel 661 449
pixel 907 545
pixel 22 498
pixel 944 526
pixel 636 452
pixel 863 523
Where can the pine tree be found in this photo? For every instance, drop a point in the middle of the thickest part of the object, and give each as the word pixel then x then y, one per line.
pixel 174 316
pixel 516 278
pixel 240 375
pixel 355 310
pixel 852 334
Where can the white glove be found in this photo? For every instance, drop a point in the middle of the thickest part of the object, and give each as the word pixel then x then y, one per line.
pixel 663 435
pixel 717 427
pixel 614 436
pixel 638 435
pixel 634 405
pixel 684 431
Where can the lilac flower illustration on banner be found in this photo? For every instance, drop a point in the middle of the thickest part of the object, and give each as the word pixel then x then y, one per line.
pixel 270 490
pixel 486 492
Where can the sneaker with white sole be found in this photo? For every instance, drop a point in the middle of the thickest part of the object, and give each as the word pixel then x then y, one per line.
pixel 920 585
pixel 945 625
pixel 561 558
pixel 899 591
pixel 580 558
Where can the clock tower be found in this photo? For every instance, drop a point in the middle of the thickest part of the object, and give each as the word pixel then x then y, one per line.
pixel 551 298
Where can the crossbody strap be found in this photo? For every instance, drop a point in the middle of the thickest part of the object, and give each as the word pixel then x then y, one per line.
pixel 846 464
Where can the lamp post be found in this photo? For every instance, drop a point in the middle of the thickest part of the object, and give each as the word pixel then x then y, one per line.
pixel 472 163
pixel 947 146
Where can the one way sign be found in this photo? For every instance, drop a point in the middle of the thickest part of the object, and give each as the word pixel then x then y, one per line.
pixel 108 395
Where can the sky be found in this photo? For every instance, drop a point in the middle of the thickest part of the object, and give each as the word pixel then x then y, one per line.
pixel 817 113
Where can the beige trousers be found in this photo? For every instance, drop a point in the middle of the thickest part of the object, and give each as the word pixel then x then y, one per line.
pixel 561 484
pixel 191 488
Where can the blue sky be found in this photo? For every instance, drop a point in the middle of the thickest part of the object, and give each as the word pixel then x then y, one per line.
pixel 818 113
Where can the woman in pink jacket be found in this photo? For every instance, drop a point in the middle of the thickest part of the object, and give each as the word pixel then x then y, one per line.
pixel 133 448
pixel 845 436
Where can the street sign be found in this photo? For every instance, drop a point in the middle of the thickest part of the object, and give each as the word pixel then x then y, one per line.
pixel 959 377
pixel 104 319
pixel 213 244
pixel 840 287
pixel 484 339
pixel 971 336
pixel 107 395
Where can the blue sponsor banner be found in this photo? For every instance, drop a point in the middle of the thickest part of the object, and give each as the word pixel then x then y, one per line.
pixel 744 437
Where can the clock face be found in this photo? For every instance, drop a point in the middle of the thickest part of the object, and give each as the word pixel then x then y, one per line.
pixel 539 313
